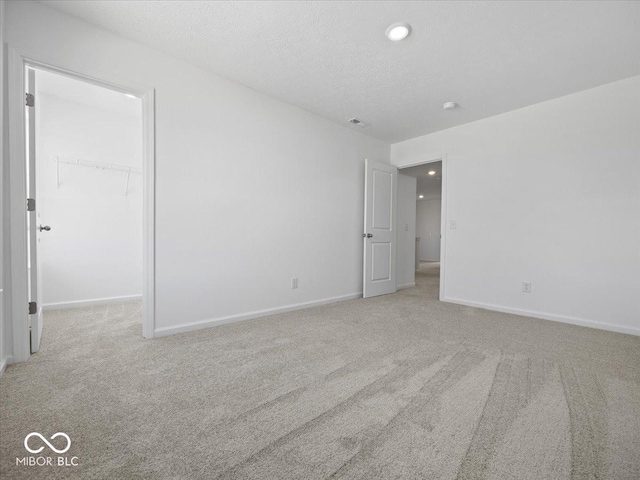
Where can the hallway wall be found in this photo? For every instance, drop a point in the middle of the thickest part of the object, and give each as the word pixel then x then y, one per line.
pixel 428 213
pixel 406 231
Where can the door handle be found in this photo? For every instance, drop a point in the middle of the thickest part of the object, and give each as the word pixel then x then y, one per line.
pixel 367 235
pixel 46 228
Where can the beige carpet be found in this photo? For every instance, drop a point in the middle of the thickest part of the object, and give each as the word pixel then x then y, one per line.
pixel 396 387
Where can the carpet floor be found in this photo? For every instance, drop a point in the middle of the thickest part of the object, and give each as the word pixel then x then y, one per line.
pixel 395 387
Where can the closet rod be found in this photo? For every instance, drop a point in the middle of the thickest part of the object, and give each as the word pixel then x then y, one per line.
pixel 98 165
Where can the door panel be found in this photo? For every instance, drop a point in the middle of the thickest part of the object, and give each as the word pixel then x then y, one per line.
pixel 36 317
pixel 379 229
pixel 382 187
pixel 381 253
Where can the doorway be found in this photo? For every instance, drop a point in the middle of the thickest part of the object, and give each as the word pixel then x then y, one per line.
pixel 75 157
pixel 420 242
pixel 87 226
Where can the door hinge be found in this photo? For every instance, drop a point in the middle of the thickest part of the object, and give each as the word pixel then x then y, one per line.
pixel 31 100
pixel 31 204
pixel 33 308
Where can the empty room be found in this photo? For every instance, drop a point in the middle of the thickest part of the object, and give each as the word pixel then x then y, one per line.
pixel 320 239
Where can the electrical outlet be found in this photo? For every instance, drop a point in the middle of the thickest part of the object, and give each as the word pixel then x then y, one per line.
pixel 526 287
pixel 453 225
pixel 294 283
pixel 406 227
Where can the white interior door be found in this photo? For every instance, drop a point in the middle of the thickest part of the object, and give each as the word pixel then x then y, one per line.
pixel 380 185
pixel 35 308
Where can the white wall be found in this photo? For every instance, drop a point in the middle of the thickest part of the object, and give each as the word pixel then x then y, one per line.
pixel 548 194
pixel 406 228
pixel 94 249
pixel 428 228
pixel 250 191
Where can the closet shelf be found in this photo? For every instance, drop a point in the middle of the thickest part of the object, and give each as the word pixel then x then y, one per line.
pixel 98 165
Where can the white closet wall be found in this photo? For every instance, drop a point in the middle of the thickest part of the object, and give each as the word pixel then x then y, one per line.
pixel 94 248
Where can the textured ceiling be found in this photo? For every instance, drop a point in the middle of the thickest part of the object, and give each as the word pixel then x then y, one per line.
pixel 333 59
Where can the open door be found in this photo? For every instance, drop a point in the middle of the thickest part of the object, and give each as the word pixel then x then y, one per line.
pixel 380 185
pixel 35 309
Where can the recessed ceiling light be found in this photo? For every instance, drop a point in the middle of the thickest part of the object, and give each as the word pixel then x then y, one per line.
pixel 398 31
pixel 449 105
pixel 129 95
pixel 432 172
pixel 420 196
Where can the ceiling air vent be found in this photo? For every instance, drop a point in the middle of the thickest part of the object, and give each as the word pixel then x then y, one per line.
pixel 357 122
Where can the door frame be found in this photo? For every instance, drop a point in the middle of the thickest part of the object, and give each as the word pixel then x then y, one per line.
pixel 18 60
pixel 443 215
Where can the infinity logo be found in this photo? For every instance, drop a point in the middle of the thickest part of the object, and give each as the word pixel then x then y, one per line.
pixel 36 434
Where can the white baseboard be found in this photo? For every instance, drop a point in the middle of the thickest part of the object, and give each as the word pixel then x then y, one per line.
pixel 88 303
pixel 189 327
pixel 548 316
pixel 406 285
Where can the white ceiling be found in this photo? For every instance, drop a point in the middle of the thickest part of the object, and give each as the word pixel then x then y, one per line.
pixel 333 59
pixel 430 186
pixel 87 94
